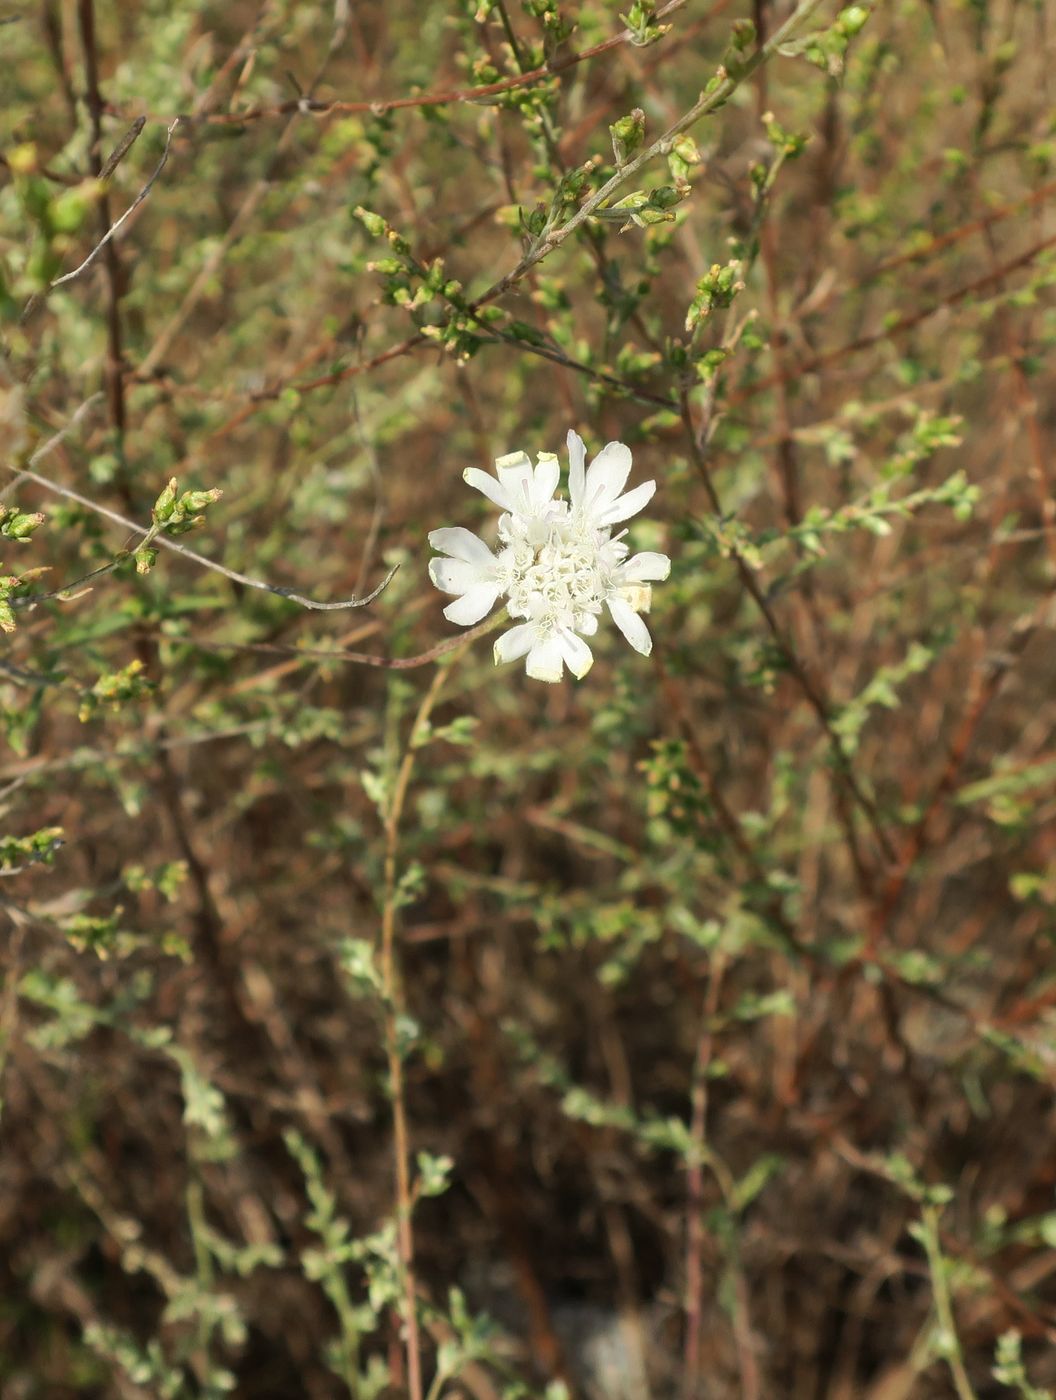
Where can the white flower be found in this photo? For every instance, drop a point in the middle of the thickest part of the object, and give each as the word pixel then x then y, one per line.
pixel 557 563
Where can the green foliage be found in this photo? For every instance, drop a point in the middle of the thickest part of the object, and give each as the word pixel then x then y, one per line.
pixel 880 691
pixel 644 27
pixel 325 1265
pixel 16 852
pixel 827 48
pixel 717 289
pixel 145 1366
pixel 115 690
pixel 1010 1370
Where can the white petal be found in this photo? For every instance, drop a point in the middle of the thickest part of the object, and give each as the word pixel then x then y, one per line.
pixel 516 642
pixel 513 461
pixel 547 475
pixel 516 476
pixel 546 660
pixel 472 606
pixel 456 576
pixel 626 506
pixel 488 486
pixel 461 544
pixel 631 625
pixel 577 454
pixel 607 474
pixel 587 624
pixel 645 568
pixel 577 654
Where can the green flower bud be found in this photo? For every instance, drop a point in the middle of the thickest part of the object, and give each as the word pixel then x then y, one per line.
pixel 627 135
pixel 166 502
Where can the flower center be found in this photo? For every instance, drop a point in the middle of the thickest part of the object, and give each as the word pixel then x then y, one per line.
pixel 554 579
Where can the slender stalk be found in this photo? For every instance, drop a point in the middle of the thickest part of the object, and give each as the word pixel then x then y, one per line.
pixel 114 370
pixel 740 1307
pixel 439 1381
pixel 695 1232
pixel 25 474
pixel 393 993
pixel 115 228
pixel 944 1304
pixel 203 1264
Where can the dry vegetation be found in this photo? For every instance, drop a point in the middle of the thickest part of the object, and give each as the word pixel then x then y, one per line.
pixel 721 996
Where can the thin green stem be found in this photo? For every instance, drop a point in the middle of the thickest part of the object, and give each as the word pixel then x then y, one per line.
pixel 395 1003
pixel 439 1381
pixel 341 1299
pixel 195 1198
pixel 951 1348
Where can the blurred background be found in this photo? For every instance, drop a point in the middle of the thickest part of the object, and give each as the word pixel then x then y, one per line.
pixel 721 998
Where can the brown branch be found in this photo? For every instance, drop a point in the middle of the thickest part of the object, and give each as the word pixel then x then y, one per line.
pixel 806 683
pixel 116 226
pixel 394 1011
pixel 987 679
pixel 696 1233
pixel 905 323
pixel 315 107
pixel 735 397
pixel 122 148
pixel 985 686
pixel 983 224
pixel 359 658
pixel 196 558
pixel 115 388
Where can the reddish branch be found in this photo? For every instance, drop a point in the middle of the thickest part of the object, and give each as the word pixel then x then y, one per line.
pixel 316 107
pixel 115 389
pixel 904 323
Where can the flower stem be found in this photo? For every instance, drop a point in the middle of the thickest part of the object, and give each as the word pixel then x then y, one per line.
pixel 944 1304
pixel 395 1003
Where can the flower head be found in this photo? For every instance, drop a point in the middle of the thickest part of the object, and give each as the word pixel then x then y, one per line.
pixel 557 563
